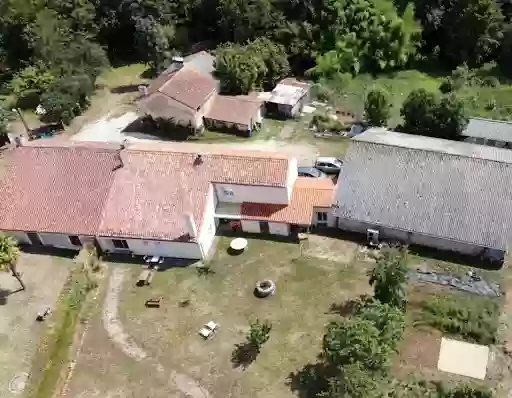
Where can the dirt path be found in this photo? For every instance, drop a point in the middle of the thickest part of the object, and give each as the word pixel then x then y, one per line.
pixel 126 343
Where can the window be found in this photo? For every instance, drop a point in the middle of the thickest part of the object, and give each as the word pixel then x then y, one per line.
pixel 75 240
pixel 322 216
pixel 120 244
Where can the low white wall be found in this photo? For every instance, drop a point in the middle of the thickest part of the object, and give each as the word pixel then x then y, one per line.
pixel 208 226
pixel 251 226
pixel 412 238
pixel 155 248
pixel 235 193
pixel 277 228
pixel 60 240
pixel 20 236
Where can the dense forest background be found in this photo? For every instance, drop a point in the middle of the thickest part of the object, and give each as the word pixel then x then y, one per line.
pixel 51 51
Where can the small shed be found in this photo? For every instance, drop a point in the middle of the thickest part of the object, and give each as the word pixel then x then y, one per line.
pixel 288 98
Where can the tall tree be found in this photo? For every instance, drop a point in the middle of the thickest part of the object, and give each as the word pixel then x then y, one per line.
pixel 377 107
pixel 239 69
pixel 389 277
pixel 474 29
pixel 426 113
pixel 417 111
pixel 9 254
pixel 461 30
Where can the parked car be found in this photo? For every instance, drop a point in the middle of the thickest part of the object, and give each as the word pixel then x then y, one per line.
pixel 310 172
pixel 329 165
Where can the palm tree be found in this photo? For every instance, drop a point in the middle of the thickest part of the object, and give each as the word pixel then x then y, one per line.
pixel 9 253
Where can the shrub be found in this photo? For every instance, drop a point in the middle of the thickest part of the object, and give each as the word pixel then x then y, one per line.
pixel 323 122
pixel 447 86
pixel 472 317
pixel 322 92
pixel 490 81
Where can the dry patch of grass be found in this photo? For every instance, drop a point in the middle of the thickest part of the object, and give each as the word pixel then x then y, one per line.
pixel 44 277
pixel 306 289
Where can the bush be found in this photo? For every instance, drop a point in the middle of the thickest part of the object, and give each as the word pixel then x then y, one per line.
pixel 323 122
pixel 490 81
pixel 322 93
pixel 447 85
pixel 474 318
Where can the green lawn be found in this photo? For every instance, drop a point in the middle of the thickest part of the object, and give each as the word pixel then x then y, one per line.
pixel 351 95
pixel 310 283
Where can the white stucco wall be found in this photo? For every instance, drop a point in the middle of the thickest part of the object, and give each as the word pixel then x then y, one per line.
pixel 156 248
pixel 292 177
pixel 60 240
pixel 20 236
pixel 251 193
pixel 331 218
pixel 277 228
pixel 412 238
pixel 259 116
pixel 250 226
pixel 203 110
pixel 208 227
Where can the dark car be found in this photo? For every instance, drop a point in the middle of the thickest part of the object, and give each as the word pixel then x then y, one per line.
pixel 310 172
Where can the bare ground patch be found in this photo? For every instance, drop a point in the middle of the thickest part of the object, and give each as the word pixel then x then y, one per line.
pixel 19 332
pixel 332 249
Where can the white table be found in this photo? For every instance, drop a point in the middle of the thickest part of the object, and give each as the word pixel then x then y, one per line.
pixel 238 244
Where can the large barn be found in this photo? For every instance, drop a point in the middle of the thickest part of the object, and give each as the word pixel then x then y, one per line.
pixel 443 194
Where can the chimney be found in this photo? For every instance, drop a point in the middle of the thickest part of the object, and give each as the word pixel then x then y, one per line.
pixel 18 142
pixel 198 160
pixel 119 157
pixel 190 225
pixel 143 90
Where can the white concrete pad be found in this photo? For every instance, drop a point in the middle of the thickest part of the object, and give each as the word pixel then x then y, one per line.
pixel 308 109
pixel 463 359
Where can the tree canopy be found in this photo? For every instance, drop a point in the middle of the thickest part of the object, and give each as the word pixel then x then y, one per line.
pixel 242 68
pixel 427 113
pixel 256 41
pixel 377 107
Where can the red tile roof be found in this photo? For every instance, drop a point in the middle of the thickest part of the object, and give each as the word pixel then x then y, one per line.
pixel 186 86
pixel 56 189
pixel 154 189
pixel 233 109
pixel 77 189
pixel 307 193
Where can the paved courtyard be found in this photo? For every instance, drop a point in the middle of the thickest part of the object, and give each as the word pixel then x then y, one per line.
pixel 44 277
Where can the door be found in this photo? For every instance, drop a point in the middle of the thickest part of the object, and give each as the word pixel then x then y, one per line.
pixel 264 229
pixel 34 238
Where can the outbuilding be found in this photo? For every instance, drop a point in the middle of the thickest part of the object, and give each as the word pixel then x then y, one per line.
pixel 426 191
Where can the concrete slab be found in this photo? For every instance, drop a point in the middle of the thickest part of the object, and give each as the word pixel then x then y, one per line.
pixel 463 358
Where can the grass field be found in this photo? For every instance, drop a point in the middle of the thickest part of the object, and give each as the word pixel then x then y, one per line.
pixel 350 95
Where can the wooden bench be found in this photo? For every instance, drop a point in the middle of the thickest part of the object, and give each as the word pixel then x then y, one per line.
pixel 154 302
pixel 143 277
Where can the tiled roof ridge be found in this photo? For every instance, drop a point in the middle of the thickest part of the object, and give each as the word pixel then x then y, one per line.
pixel 172 76
pixel 249 154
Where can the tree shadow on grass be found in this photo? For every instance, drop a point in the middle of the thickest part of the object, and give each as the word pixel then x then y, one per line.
pixel 243 355
pixel 311 379
pixel 126 88
pixel 4 294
